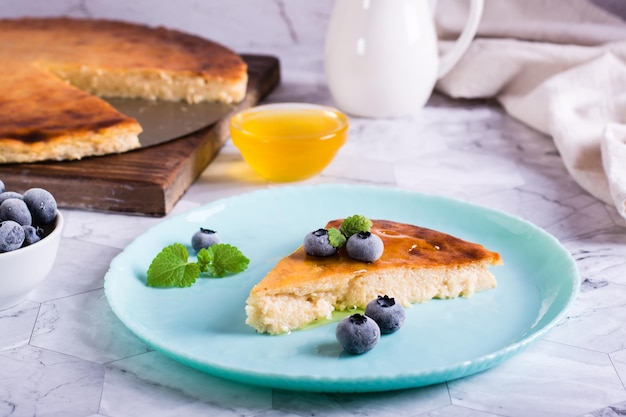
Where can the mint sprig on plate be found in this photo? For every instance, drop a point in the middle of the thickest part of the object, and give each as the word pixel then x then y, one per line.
pixel 171 266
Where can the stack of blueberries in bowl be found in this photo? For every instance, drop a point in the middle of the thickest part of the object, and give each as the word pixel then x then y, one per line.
pixel 30 232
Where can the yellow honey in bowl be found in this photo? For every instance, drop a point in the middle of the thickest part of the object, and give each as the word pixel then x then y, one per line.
pixel 290 141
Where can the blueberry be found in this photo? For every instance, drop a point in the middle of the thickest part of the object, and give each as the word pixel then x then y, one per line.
pixel 317 244
pixel 11 236
pixel 388 314
pixel 357 334
pixel 2 187
pixel 32 234
pixel 365 246
pixel 41 204
pixel 9 194
pixel 204 238
pixel 16 210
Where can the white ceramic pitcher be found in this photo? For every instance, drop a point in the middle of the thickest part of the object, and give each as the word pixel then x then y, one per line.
pixel 381 56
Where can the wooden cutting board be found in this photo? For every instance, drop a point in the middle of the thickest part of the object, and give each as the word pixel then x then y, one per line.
pixel 147 181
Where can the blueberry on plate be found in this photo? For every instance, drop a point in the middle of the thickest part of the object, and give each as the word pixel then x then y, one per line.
pixel 204 238
pixel 357 334
pixel 11 236
pixel 15 209
pixel 42 205
pixel 365 246
pixel 317 243
pixel 388 314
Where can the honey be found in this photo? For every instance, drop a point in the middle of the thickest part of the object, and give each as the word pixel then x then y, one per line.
pixel 289 142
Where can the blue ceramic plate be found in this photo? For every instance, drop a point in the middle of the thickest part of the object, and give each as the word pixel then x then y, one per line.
pixel 203 326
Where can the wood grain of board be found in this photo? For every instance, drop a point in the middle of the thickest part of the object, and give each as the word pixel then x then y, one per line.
pixel 147 181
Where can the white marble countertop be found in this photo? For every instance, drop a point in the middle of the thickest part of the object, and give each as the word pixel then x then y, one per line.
pixel 64 353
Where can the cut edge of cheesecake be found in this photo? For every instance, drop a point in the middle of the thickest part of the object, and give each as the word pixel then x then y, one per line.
pixel 274 307
pixel 150 84
pixel 122 137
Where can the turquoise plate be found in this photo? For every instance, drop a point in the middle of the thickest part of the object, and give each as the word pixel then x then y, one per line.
pixel 203 326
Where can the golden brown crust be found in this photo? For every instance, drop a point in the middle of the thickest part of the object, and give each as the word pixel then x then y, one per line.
pixel 50 109
pixel 104 58
pixel 406 246
pixel 116 44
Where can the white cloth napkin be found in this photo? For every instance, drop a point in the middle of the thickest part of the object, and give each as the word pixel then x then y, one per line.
pixel 560 67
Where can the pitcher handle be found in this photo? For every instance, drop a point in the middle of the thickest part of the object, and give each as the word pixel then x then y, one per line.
pixel 450 58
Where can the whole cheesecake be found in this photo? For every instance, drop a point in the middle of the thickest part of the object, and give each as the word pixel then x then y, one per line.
pixel 55 69
pixel 417 264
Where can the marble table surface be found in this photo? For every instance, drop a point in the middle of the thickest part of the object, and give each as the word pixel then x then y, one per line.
pixel 64 353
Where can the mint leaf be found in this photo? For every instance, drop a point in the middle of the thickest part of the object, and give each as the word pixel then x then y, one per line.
pixel 355 224
pixel 171 268
pixel 226 259
pixel 336 238
pixel 205 258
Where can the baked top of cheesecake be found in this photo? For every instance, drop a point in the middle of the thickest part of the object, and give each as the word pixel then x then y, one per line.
pixel 417 264
pixel 49 108
pixel 54 69
pixel 406 246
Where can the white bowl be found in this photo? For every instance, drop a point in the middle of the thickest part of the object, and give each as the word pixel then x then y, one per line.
pixel 23 269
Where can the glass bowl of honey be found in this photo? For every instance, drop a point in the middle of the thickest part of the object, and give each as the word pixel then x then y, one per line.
pixel 289 141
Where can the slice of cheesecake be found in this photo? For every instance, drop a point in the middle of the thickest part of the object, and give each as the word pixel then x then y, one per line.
pixel 418 264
